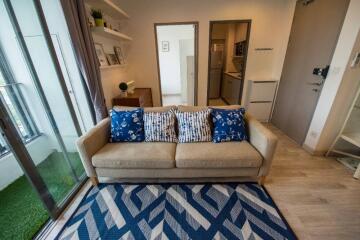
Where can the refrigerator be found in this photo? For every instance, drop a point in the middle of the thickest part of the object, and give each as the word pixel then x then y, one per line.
pixel 216 68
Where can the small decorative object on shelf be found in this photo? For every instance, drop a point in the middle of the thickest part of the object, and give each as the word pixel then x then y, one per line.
pixel 131 87
pixel 123 89
pixel 101 54
pixel 112 59
pixel 119 55
pixel 98 17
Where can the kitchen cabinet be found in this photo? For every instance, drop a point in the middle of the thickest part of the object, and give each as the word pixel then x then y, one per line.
pixel 230 89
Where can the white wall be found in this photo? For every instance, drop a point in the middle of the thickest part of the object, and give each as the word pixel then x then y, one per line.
pixel 336 95
pixel 111 77
pixel 271 23
pixel 170 61
pixel 186 49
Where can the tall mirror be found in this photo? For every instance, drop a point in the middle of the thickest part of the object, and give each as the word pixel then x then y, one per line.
pixel 228 44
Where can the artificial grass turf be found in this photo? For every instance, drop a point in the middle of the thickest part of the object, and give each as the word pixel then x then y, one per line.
pixel 21 211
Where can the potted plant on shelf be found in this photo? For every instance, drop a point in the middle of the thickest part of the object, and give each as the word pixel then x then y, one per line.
pixel 98 17
pixel 123 89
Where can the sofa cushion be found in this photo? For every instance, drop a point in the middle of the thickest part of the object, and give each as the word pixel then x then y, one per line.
pixel 194 126
pixel 217 155
pixel 146 109
pixel 229 125
pixel 183 108
pixel 160 126
pixel 136 155
pixel 127 126
pixel 229 107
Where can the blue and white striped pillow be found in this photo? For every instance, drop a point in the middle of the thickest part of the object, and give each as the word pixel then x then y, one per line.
pixel 194 126
pixel 160 126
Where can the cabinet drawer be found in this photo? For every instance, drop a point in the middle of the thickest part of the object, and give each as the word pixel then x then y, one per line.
pixel 262 91
pixel 260 110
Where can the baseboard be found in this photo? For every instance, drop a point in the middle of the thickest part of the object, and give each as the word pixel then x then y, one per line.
pixel 312 151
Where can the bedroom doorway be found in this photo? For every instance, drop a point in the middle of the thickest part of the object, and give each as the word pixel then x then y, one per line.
pixel 176 51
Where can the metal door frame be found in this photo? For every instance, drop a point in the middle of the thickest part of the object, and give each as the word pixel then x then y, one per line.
pixel 13 138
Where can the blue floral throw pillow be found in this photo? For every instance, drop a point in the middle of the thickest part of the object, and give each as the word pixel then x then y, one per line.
pixel 229 125
pixel 127 126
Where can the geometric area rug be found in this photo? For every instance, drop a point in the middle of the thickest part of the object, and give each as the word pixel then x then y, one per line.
pixel 177 211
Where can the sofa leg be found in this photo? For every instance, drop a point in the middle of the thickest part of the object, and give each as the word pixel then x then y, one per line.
pixel 94 181
pixel 261 180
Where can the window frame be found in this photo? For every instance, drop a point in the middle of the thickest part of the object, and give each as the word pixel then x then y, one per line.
pixel 15 96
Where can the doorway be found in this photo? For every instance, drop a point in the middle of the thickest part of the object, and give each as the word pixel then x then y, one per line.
pixel 314 34
pixel 177 57
pixel 228 46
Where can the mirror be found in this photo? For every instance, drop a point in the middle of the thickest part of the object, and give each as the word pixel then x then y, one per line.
pixel 228 45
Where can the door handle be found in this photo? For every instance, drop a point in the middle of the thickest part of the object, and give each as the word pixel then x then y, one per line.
pixel 315 89
pixel 322 72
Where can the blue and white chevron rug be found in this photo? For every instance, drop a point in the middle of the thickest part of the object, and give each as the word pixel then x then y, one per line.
pixel 177 211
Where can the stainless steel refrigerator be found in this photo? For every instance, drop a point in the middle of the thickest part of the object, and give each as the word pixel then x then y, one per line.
pixel 216 69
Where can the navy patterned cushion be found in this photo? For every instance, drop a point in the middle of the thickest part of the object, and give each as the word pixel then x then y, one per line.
pixel 160 126
pixel 194 126
pixel 229 125
pixel 127 126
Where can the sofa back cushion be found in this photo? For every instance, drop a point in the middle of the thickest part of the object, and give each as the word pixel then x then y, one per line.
pixel 183 108
pixel 160 126
pixel 194 126
pixel 229 125
pixel 127 125
pixel 147 109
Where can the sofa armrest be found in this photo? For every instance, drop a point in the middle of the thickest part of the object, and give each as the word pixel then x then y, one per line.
pixel 264 141
pixel 91 142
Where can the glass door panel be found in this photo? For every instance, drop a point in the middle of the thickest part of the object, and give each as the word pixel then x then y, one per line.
pixel 31 71
pixel 22 213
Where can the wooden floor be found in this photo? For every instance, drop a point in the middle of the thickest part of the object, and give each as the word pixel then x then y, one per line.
pixel 318 196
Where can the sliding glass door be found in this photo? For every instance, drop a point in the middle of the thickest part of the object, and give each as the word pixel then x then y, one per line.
pixel 40 118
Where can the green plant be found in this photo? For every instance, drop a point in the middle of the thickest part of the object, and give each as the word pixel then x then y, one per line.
pixel 123 86
pixel 97 14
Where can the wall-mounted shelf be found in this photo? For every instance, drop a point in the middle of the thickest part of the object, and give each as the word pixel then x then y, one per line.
pixel 113 66
pixel 109 33
pixel 108 8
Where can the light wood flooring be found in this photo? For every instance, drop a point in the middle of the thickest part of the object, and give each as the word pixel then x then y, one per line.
pixel 318 196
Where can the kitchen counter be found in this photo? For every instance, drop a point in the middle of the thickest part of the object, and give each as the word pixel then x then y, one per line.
pixel 234 75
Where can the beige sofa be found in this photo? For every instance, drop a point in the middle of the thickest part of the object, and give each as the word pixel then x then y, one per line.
pixel 158 161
